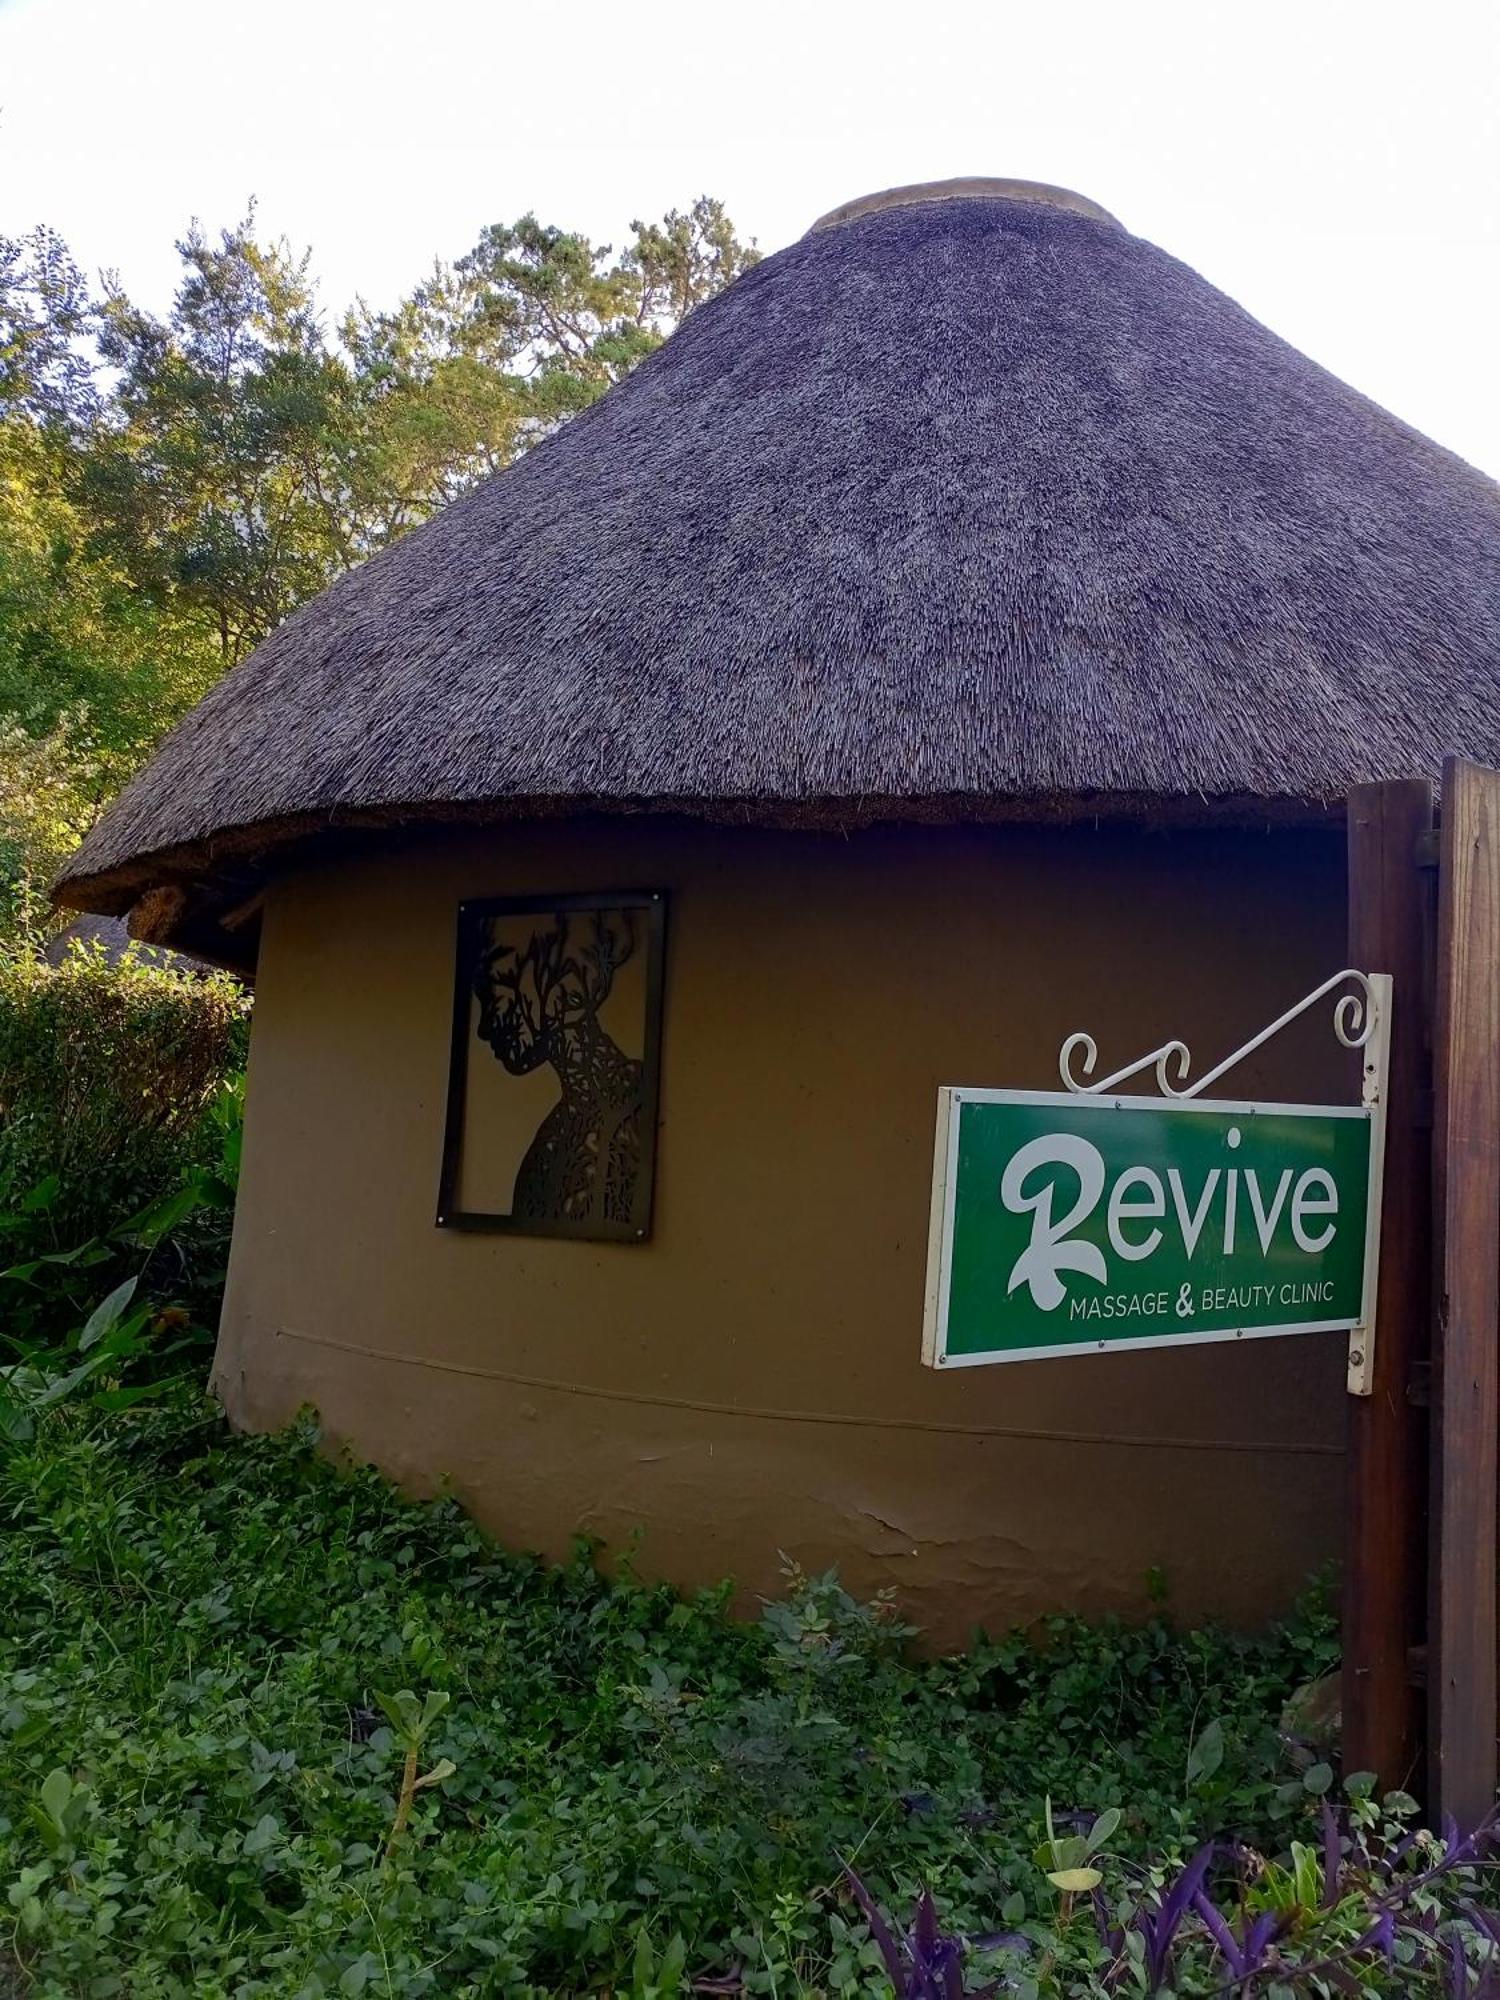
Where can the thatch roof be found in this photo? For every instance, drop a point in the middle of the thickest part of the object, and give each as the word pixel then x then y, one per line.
pixel 968 503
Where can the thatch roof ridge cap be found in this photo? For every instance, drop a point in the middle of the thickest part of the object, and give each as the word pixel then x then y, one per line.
pixel 965 187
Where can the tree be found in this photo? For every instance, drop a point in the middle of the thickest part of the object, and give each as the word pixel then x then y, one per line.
pixel 46 322
pixel 211 479
pixel 684 260
pixel 493 352
pixel 171 489
pixel 87 668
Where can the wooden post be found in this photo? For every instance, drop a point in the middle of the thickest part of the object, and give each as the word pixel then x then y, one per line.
pixel 1466 1364
pixel 1391 883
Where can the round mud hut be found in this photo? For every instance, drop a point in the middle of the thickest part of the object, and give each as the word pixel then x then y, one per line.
pixel 965 629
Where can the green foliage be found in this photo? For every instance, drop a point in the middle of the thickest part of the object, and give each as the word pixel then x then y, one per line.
pixel 242 1661
pixel 106 1075
pixel 171 487
pixel 493 351
pixel 136 1341
pixel 85 655
pixel 1376 1908
pixel 47 783
pixel 214 487
pixel 120 1095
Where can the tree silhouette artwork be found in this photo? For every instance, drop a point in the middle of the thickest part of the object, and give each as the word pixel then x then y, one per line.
pixel 541 973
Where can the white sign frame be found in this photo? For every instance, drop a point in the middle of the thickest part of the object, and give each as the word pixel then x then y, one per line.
pixel 1361 1020
pixel 951 1099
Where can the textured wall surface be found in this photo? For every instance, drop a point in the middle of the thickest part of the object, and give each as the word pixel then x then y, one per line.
pixel 749 1381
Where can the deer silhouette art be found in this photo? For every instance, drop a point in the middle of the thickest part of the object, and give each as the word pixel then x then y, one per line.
pixel 539 1003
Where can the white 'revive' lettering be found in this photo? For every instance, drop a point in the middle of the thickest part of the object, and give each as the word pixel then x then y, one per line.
pixel 1049 1252
pixel 1265 1224
pixel 1137 1200
pixel 1191 1225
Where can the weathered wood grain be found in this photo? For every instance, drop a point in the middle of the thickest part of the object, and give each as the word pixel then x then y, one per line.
pixel 1391 916
pixel 1466 1372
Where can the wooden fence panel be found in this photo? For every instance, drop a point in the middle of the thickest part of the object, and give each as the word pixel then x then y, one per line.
pixel 1392 881
pixel 1466 1358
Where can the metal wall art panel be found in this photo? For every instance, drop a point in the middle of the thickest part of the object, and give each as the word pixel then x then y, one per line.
pixel 552 1083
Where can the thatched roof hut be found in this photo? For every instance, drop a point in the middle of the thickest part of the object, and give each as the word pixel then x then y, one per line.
pixel 969 504
pixel 965 630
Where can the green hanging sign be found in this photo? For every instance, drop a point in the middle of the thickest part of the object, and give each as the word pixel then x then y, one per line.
pixel 1070 1224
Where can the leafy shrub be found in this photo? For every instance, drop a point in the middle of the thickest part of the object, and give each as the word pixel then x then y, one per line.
pixel 108 1079
pixel 266 1728
pixel 71 1326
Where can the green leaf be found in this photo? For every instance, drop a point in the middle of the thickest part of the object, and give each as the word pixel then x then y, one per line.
pixel 673 1961
pixel 83 1254
pixel 402 1712
pixel 262 1835
pixel 1076 1881
pixel 125 1399
pixel 40 1198
pixel 124 1339
pixel 1103 1829
pixel 1207 1753
pixel 61 1387
pixel 17 1425
pixel 1307 1875
pixel 56 1795
pixel 1317 1778
pixel 106 1314
pixel 161 1217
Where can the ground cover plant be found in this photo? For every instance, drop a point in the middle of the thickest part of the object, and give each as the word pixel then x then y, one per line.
pixel 265 1727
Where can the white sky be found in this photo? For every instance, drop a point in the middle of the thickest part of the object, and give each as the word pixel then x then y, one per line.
pixel 1335 167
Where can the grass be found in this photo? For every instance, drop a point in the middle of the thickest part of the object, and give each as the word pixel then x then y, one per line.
pixel 223 1657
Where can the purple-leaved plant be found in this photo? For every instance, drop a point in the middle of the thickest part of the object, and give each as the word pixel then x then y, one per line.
pixel 1339 1922
pixel 927 1963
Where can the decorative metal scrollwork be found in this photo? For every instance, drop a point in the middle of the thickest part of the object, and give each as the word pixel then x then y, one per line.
pixel 1354 1016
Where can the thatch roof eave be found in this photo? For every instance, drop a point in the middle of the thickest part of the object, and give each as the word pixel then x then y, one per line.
pixel 204 895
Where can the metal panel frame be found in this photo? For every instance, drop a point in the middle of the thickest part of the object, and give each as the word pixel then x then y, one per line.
pixel 470 914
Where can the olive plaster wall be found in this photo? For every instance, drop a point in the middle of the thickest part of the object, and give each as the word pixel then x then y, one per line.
pixel 749 1380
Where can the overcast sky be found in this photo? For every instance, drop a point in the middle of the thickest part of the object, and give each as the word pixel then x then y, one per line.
pixel 1334 167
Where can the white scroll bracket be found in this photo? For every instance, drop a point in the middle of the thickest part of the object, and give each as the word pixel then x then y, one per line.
pixel 1361 1020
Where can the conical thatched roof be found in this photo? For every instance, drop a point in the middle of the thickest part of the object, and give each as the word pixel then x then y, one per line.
pixel 968 503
